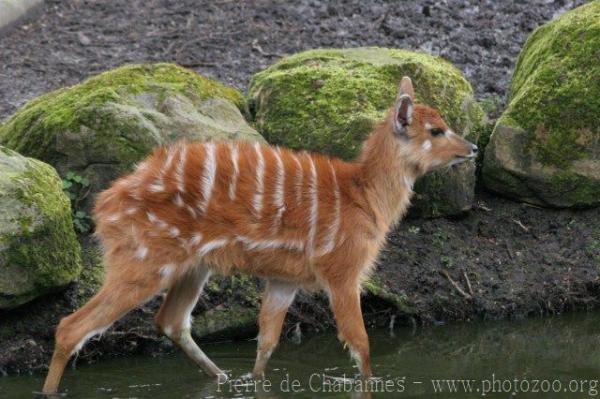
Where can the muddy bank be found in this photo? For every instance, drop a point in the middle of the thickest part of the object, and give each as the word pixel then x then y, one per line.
pixel 501 260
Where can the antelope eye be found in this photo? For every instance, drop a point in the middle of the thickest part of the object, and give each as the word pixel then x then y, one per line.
pixel 436 131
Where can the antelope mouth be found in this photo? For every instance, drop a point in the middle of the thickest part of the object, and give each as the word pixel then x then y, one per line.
pixel 472 155
pixel 461 158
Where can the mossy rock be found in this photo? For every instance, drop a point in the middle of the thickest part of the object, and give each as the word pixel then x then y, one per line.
pixel 225 323
pixel 100 128
pixel 39 251
pixel 379 289
pixel 92 274
pixel 235 302
pixel 545 149
pixel 328 101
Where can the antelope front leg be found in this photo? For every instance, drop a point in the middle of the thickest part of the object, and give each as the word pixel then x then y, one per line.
pixel 345 303
pixel 277 298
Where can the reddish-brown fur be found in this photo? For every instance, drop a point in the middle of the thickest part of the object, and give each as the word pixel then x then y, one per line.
pixel 150 223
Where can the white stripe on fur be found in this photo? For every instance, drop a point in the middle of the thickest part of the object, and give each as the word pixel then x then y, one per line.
pixel 208 176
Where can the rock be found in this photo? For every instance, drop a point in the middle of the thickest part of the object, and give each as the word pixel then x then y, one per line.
pixel 376 287
pixel 100 128
pixel 39 251
pixel 329 100
pixel 16 12
pixel 233 322
pixel 545 148
pixel 83 39
pixel 236 314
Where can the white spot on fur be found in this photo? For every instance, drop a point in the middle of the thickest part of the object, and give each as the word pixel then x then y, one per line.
pixel 156 187
pixel 428 126
pixel 212 245
pixel 113 218
pixel 154 219
pixel 131 211
pixel 426 145
pixel 235 171
pixel 260 174
pixel 196 239
pixel 174 232
pixel 208 176
pixel 141 252
pixel 151 217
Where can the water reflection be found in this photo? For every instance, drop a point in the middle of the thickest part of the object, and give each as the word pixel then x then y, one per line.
pixel 564 349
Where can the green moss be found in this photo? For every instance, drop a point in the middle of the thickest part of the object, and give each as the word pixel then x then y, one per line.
pixel 101 127
pixel 328 100
pixel 225 323
pixel 32 130
pixel 485 132
pixel 378 289
pixel 235 302
pixel 556 90
pixel 92 274
pixel 38 244
pixel 241 288
pixel 579 190
pixel 544 148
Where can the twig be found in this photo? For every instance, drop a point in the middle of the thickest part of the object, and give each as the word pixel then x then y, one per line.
pixel 521 225
pixel 482 206
pixel 193 64
pixel 257 47
pixel 466 276
pixel 135 334
pixel 532 206
pixel 169 48
pixel 455 285
pixel 191 42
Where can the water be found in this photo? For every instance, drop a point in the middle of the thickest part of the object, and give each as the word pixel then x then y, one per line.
pixel 561 354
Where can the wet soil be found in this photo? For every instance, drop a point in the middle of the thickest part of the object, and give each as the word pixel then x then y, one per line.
pixel 501 260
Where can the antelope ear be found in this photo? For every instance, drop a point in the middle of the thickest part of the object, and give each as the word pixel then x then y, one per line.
pixel 406 87
pixel 403 115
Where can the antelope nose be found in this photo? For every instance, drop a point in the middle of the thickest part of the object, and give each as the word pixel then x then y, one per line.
pixel 474 148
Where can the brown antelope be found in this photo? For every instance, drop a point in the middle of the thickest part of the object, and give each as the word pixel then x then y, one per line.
pixel 298 220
